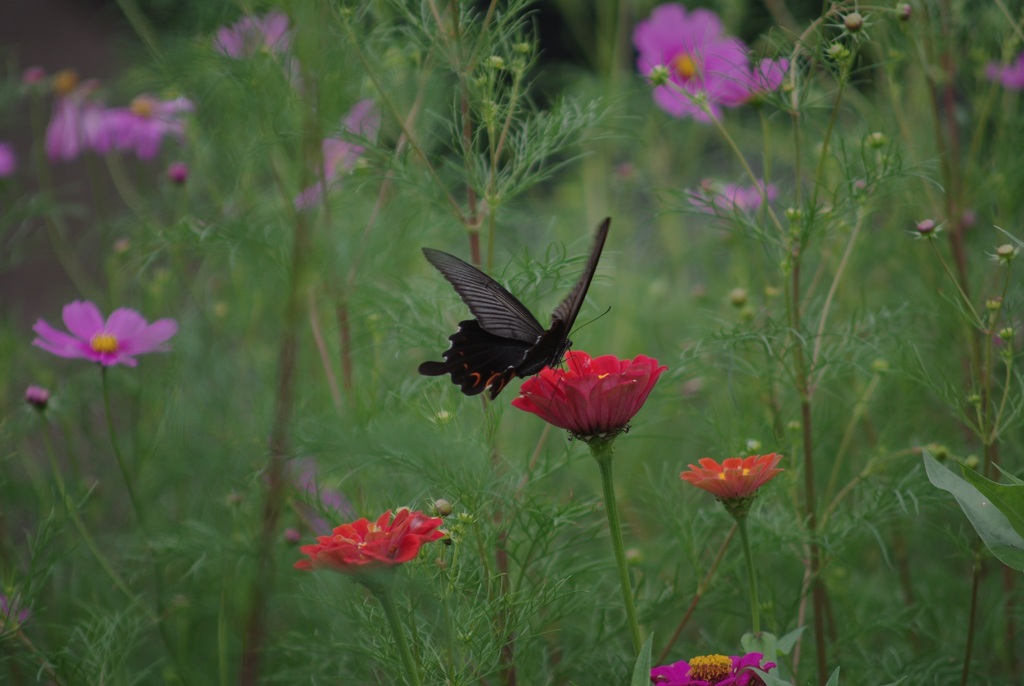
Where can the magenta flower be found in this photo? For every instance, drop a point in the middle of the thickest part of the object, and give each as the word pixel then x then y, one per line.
pixel 78 121
pixel 117 340
pixel 730 197
pixel 707 69
pixel 712 670
pixel 141 127
pixel 1011 76
pixel 8 160
pixel 363 120
pixel 251 34
pixel 177 173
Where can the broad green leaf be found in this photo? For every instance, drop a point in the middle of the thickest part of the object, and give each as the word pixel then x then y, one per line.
pixel 642 669
pixel 786 643
pixel 1009 499
pixel 765 643
pixel 993 527
pixel 834 679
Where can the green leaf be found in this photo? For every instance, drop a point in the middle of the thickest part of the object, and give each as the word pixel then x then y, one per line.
pixel 787 642
pixel 1008 498
pixel 765 643
pixel 769 679
pixel 642 669
pixel 991 524
pixel 834 679
pixel 1010 477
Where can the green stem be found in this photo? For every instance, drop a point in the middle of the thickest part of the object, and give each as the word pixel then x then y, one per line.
pixel 86 537
pixel 603 452
pixel 383 594
pixel 122 465
pixel 755 610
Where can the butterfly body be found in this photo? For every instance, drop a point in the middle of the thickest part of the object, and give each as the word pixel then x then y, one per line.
pixel 505 339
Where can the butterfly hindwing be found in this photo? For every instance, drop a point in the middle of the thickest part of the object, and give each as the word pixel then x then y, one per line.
pixel 505 339
pixel 477 359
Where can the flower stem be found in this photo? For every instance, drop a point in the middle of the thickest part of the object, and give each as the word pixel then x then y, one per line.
pixel 122 465
pixel 603 452
pixel 383 594
pixel 755 610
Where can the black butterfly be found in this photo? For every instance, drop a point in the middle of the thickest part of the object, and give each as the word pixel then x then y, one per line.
pixel 505 339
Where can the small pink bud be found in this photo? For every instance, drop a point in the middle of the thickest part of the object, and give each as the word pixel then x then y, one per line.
pixel 926 227
pixel 37 397
pixel 177 172
pixel 33 75
pixel 292 536
pixel 903 11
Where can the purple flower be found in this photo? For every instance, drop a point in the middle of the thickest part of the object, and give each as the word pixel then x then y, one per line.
pixel 37 397
pixel 12 615
pixel 33 75
pixel 728 198
pixel 141 127
pixel 117 340
pixel 702 62
pixel 77 122
pixel 712 670
pixel 305 479
pixel 8 161
pixel 363 120
pixel 1011 76
pixel 251 34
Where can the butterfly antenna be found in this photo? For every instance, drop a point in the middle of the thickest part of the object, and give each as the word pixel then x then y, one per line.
pixel 588 323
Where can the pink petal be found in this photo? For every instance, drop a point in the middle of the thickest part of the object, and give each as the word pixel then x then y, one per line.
pixel 363 119
pixel 124 323
pixel 150 339
pixel 83 319
pixel 59 343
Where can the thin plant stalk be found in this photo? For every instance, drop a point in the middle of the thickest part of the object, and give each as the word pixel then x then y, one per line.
pixel 603 451
pixel 121 463
pixel 755 608
pixel 383 594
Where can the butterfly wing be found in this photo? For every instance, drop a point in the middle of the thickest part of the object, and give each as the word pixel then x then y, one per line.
pixel 497 310
pixel 477 359
pixel 551 346
pixel 570 307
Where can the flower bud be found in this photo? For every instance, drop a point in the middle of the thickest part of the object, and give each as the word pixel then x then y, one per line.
pixel 1005 333
pixel 753 445
pixel 926 227
pixel 177 173
pixel 879 365
pixel 738 297
pixel 659 75
pixel 838 52
pixel 793 214
pixel 877 139
pixel 1006 252
pixel 793 425
pixel 37 397
pixel 292 536
pixel 442 507
pixel 853 22
pixel 994 304
pixel 903 11
pixel 496 62
pixel 972 462
pixel 33 75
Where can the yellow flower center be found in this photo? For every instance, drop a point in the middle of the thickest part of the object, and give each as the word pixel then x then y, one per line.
pixel 104 342
pixel 710 668
pixel 685 66
pixel 143 106
pixel 65 81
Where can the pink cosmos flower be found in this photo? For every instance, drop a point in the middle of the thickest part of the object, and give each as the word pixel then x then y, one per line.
pixel 717 670
pixel 702 63
pixel 117 340
pixel 595 397
pixel 1011 76
pixel 730 197
pixel 250 34
pixel 8 160
pixel 363 120
pixel 142 126
pixel 77 122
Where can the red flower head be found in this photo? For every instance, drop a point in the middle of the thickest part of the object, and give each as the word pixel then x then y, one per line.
pixel 361 547
pixel 595 397
pixel 736 479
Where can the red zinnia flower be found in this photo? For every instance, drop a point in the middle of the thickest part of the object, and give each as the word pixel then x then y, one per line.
pixel 363 546
pixel 736 477
pixel 594 397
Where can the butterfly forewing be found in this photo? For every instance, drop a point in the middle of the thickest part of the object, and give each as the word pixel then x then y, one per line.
pixel 498 311
pixel 570 307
